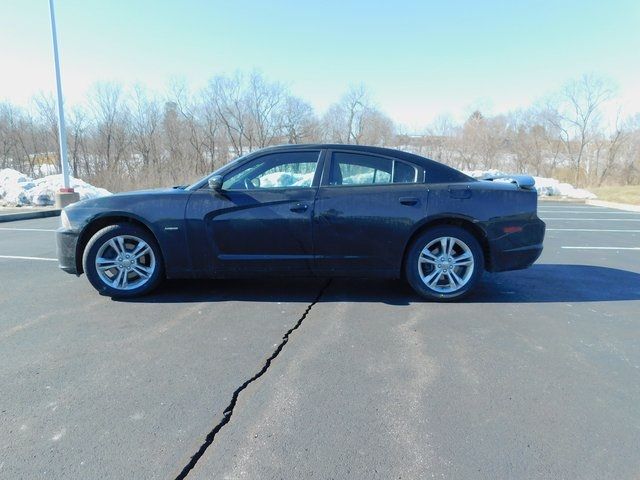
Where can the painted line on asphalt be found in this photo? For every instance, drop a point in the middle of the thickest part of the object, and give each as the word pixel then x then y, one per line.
pixel 18 257
pixel 581 211
pixel 595 219
pixel 582 207
pixel 601 248
pixel 8 229
pixel 588 209
pixel 590 230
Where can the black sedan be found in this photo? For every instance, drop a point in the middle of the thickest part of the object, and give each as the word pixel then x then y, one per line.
pixel 324 210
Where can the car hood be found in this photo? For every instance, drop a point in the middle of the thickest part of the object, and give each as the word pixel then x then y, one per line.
pixel 151 191
pixel 125 200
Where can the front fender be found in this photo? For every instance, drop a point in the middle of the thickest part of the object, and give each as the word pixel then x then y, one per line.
pixel 163 217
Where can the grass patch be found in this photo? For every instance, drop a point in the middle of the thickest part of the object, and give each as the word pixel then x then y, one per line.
pixel 627 194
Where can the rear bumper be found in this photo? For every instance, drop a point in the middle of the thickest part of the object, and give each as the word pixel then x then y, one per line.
pixel 515 259
pixel 516 251
pixel 66 241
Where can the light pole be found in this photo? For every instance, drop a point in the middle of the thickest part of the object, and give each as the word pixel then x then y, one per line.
pixel 66 195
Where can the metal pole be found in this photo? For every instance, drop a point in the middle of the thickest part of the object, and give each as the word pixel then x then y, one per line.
pixel 62 136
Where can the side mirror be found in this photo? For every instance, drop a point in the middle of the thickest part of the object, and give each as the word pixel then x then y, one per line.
pixel 215 183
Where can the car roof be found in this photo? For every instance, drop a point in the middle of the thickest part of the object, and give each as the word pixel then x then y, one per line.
pixel 391 152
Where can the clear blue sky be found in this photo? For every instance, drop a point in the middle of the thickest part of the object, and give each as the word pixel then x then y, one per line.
pixel 419 58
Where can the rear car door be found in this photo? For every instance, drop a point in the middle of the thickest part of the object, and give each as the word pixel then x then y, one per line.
pixel 262 219
pixel 366 207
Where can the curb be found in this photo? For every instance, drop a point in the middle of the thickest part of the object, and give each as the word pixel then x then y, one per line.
pixel 619 206
pixel 12 217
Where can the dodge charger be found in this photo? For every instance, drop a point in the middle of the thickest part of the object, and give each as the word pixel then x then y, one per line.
pixel 322 210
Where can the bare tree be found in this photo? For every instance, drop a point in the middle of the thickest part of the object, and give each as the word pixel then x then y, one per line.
pixel 438 140
pixel 631 164
pixel 355 103
pixel 136 138
pixel 49 146
pixel 78 127
pixel 575 112
pixel 264 101
pixel 343 121
pixel 7 140
pixel 111 118
pixel 299 122
pixel 614 148
pixel 376 128
pixel 197 158
pixel 214 140
pixel 14 150
pixel 469 141
pixel 354 119
pixel 175 144
pixel 146 119
pixel 228 99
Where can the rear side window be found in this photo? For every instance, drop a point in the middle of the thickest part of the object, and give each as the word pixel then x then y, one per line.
pixel 403 172
pixel 362 169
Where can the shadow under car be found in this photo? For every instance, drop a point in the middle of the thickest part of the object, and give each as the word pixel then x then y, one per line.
pixel 539 283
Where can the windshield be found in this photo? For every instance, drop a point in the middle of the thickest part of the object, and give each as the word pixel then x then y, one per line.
pixel 203 181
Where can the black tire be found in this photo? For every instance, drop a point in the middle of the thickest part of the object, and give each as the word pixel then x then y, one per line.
pixel 413 269
pixel 102 237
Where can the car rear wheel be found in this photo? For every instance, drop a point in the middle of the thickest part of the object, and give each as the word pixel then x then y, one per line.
pixel 444 263
pixel 122 261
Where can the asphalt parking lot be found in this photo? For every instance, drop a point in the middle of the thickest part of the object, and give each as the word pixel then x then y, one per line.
pixel 537 375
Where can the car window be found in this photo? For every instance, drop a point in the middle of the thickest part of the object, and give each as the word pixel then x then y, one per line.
pixel 362 169
pixel 404 173
pixel 276 170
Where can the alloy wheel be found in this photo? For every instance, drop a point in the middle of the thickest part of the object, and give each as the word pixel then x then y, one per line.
pixel 125 262
pixel 446 264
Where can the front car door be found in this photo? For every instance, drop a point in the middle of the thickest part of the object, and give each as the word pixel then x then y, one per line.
pixel 365 211
pixel 262 219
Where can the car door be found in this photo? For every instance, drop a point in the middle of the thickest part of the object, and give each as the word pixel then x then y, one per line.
pixel 366 208
pixel 261 221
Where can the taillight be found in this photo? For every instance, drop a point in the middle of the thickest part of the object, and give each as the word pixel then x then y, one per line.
pixel 512 229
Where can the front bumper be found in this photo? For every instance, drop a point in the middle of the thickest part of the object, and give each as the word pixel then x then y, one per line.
pixel 66 242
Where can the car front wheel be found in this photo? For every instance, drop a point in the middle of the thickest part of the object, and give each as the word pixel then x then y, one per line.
pixel 122 261
pixel 444 263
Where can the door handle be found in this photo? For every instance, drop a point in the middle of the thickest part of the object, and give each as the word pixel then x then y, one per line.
pixel 299 207
pixel 408 200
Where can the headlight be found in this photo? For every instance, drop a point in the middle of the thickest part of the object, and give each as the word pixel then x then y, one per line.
pixel 64 220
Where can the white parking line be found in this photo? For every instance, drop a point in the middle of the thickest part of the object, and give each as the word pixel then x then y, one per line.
pixel 595 219
pixel 10 229
pixel 589 230
pixel 580 211
pixel 601 248
pixel 17 257
pixel 581 207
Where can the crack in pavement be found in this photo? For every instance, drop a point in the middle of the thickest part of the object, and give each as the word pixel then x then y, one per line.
pixel 228 412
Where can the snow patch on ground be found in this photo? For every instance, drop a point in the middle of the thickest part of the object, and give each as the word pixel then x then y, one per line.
pixel 546 187
pixel 17 189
